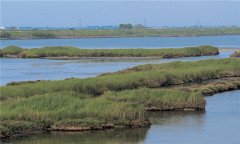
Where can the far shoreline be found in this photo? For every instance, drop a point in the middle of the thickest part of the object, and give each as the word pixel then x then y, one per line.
pixel 110 37
pixel 115 33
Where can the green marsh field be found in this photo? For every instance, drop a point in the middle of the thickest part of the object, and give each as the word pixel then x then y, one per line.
pixel 112 100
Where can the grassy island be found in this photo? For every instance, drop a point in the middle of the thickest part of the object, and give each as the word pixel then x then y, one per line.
pixel 113 100
pixel 236 54
pixel 73 52
pixel 101 33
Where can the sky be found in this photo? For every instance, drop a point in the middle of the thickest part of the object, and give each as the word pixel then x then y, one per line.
pixel 73 13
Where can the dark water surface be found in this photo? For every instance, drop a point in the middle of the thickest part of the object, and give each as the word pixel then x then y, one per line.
pixel 135 42
pixel 219 124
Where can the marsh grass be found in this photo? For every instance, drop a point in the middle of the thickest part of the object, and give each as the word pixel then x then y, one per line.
pixel 118 98
pixel 228 63
pixel 162 99
pixel 60 51
pixel 68 105
pixel 73 109
pixel 150 76
pixel 11 50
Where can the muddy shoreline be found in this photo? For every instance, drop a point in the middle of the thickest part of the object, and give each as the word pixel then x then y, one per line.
pixel 110 57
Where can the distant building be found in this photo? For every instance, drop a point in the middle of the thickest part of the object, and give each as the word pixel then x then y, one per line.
pixel 2 28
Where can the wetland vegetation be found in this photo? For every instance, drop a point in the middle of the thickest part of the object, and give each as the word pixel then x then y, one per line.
pixel 113 100
pixel 133 32
pixel 60 51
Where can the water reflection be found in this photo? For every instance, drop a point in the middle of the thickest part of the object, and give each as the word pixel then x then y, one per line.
pixel 119 136
pixel 219 124
pixel 176 117
pixel 171 127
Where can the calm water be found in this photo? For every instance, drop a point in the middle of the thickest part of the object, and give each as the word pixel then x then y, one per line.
pixel 142 42
pixel 13 69
pixel 219 124
pixel 34 69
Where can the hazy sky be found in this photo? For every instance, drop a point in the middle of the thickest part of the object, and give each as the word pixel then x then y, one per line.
pixel 157 13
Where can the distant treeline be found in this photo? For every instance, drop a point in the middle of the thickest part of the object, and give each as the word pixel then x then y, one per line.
pixel 125 30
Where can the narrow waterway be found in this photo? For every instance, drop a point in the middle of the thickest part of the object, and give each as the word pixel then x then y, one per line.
pixel 228 41
pixel 13 69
